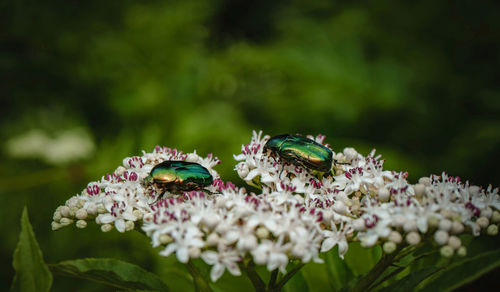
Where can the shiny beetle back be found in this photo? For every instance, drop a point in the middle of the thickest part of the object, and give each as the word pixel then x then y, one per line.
pixel 178 176
pixel 302 151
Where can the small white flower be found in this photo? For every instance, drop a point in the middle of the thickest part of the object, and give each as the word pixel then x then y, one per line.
pixel 335 237
pixel 221 260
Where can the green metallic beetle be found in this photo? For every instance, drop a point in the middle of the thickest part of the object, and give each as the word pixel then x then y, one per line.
pixel 179 176
pixel 301 151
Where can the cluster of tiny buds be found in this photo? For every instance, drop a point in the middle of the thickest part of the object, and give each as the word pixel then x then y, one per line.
pixel 442 228
pixel 73 211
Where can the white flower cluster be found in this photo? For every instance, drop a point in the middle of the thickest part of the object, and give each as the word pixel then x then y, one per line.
pixel 297 215
pixel 226 227
pixel 440 207
pixel 121 198
pixel 374 205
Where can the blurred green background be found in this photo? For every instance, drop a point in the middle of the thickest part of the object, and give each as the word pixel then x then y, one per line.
pixel 86 83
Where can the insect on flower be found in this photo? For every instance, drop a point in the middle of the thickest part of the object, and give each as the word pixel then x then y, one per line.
pixel 179 176
pixel 301 151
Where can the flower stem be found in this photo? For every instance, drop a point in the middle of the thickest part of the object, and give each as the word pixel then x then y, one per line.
pixel 288 276
pixel 200 284
pixel 257 282
pixel 377 270
pixel 272 280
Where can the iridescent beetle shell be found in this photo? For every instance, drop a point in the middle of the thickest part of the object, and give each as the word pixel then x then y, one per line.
pixel 301 151
pixel 178 176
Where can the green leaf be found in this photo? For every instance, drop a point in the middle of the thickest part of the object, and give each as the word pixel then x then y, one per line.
pixel 32 274
pixel 409 282
pixel 111 272
pixel 359 259
pixel 338 272
pixel 463 272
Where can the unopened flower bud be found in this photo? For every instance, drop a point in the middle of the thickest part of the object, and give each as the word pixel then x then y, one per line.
pixel 359 224
pixel 433 221
pixel 446 251
pixel 211 221
pixel 424 181
pixel 65 221
pixel 72 211
pixel 413 238
pixel 389 247
pixel 120 169
pixel 410 225
pixel 383 195
pixel 57 216
pixel 350 153
pixel 242 169
pixel 487 212
pixel 262 233
pixel 191 157
pixel 399 221
pixel 56 226
pixel 339 207
pixel 419 189
pixel 138 214
pixel 92 209
pixel 441 237
pixel 474 190
pixel 80 203
pixel 457 227
pixel 483 222
pixel 260 258
pixel 340 157
pixel 64 211
pixel 447 214
pixel 249 243
pixel 81 214
pixel 298 251
pixel 101 209
pixel 194 252
pixel 165 239
pixel 454 242
pixel 495 217
pixel 106 227
pixel 456 217
pixel 212 239
pixel 492 230
pixel 129 225
pixel 395 237
pixel 462 251
pixel 445 224
pixel 81 224
pixel 72 202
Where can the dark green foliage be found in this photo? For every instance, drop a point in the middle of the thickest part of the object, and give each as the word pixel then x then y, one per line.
pixel 32 274
pixel 111 272
pixel 463 272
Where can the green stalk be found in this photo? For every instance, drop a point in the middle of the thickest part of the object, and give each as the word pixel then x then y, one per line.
pixel 257 282
pixel 200 284
pixel 272 280
pixel 288 276
pixel 375 272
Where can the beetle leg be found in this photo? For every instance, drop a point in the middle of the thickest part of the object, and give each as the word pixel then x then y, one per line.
pixel 282 168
